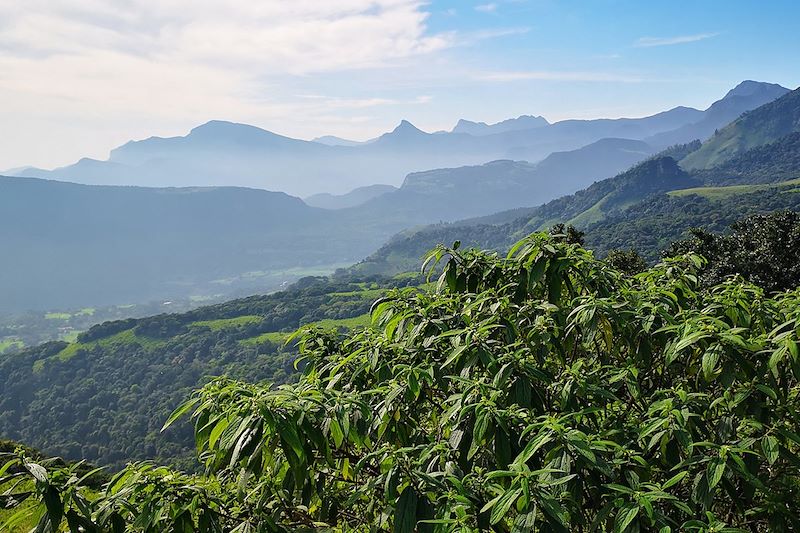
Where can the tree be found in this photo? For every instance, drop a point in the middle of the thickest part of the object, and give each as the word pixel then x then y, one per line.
pixel 567 233
pixel 626 261
pixel 762 248
pixel 542 391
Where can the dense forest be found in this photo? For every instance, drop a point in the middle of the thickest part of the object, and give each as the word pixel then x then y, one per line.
pixel 104 397
pixel 543 391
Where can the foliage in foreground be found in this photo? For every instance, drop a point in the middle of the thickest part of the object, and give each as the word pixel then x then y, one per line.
pixel 545 391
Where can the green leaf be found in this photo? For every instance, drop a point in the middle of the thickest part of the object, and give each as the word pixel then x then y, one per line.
pixel 626 514
pixel 503 504
pixel 714 471
pixel 336 432
pixel 769 445
pixel 674 480
pixel 709 363
pixel 525 523
pixel 37 471
pixel 405 517
pixel 180 411
pixel 55 509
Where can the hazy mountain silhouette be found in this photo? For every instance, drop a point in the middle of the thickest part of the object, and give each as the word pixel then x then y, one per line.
pixel 761 126
pixel 225 153
pixel 353 198
pixel 332 140
pixel 524 122
pixel 744 97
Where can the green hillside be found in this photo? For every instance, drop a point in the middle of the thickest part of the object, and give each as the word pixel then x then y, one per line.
pixel 590 205
pixel 761 126
pixel 775 161
pixel 105 396
pixel 718 193
pixel 651 225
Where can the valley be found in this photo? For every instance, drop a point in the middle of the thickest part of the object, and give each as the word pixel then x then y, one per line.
pixel 86 377
pixel 68 237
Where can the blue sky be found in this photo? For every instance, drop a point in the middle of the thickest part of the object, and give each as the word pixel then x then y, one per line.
pixel 79 77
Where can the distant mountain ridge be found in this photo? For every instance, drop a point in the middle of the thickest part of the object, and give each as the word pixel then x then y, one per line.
pixel 744 97
pixel 68 239
pixel 224 153
pixel 524 122
pixel 332 140
pixel 765 176
pixel 764 125
pixel 82 245
pixel 353 198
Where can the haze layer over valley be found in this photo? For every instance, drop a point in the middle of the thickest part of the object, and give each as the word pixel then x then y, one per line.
pixel 110 238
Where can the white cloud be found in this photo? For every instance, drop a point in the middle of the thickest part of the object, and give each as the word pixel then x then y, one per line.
pixel 546 75
pixel 300 37
pixel 486 8
pixel 647 42
pixel 81 76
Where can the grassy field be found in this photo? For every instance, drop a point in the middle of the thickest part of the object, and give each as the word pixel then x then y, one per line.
pixel 721 193
pixel 360 321
pixel 7 345
pixel 279 337
pixel 72 336
pixel 227 323
pixel 86 311
pixel 276 337
pixel 366 293
pixel 124 337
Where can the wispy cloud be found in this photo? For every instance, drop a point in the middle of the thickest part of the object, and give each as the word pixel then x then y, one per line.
pixel 547 75
pixel 486 8
pixel 647 42
pixel 489 33
pixel 335 102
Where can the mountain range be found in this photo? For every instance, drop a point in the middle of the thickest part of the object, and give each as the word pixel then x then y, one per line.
pixel 221 153
pixel 756 168
pixel 82 245
pixel 87 245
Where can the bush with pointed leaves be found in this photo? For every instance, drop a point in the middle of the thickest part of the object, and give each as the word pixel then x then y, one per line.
pixel 542 391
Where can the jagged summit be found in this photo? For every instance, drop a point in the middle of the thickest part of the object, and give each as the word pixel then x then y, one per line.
pixel 406 127
pixel 523 122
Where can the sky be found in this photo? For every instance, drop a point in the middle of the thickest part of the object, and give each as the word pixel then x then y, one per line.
pixel 80 77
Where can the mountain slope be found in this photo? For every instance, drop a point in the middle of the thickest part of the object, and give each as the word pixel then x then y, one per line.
pixel 332 140
pixel 744 97
pixel 453 193
pixel 585 207
pixel 762 126
pixel 773 162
